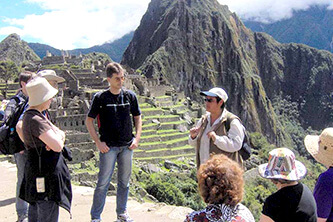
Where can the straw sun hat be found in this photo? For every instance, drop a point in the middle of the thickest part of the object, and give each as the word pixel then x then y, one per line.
pixel 321 147
pixel 39 91
pixel 50 75
pixel 282 165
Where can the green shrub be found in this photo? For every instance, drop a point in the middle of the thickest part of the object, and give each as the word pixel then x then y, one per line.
pixel 165 192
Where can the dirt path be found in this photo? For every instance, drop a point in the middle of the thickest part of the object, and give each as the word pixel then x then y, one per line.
pixel 82 199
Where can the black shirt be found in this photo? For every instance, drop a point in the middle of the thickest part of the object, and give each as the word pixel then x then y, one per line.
pixel 292 203
pixel 113 115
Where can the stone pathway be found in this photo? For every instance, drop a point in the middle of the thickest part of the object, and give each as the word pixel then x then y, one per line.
pixel 82 199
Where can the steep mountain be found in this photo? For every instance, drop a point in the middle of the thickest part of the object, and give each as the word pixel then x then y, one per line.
pixel 312 27
pixel 17 50
pixel 114 49
pixel 196 44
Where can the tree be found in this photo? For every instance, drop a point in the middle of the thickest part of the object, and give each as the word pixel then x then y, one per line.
pixel 8 71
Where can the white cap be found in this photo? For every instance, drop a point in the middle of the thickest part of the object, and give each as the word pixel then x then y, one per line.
pixel 216 92
pixel 49 74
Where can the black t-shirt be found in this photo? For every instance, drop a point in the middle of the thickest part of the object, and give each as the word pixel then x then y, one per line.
pixel 113 115
pixel 292 203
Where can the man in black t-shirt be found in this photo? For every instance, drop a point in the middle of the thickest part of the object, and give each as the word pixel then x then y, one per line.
pixel 114 109
pixel 293 201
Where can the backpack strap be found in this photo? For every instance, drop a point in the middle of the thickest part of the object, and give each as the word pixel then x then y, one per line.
pixel 230 117
pixel 17 99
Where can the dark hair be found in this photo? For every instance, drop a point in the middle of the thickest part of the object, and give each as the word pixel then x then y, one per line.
pixel 112 68
pixel 218 99
pixel 282 181
pixel 25 77
pixel 221 181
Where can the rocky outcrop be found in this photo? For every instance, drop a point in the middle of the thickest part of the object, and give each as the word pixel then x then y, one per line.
pixel 196 44
pixel 17 50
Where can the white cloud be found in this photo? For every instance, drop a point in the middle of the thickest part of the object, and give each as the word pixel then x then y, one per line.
pixel 69 24
pixel 270 10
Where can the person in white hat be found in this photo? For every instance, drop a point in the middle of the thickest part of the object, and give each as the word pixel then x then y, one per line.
pixel 46 184
pixel 293 201
pixel 321 148
pixel 52 77
pixel 210 135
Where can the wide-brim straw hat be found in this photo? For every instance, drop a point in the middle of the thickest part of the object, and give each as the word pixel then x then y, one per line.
pixel 321 147
pixel 282 164
pixel 39 91
pixel 50 75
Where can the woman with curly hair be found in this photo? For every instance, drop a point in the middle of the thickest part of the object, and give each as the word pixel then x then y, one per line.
pixel 221 187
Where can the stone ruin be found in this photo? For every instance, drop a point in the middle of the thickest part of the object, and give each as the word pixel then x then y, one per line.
pixel 161 106
pixel 166 114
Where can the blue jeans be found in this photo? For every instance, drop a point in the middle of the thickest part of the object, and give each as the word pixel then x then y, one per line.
pixel 41 211
pixel 107 162
pixel 21 205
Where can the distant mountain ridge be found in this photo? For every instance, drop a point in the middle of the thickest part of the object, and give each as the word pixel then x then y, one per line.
pixel 313 27
pixel 114 49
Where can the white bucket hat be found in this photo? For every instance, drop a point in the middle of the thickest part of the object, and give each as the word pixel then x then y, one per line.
pixel 50 75
pixel 216 92
pixel 321 147
pixel 282 165
pixel 39 91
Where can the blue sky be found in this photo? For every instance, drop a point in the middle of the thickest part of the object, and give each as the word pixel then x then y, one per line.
pixel 69 24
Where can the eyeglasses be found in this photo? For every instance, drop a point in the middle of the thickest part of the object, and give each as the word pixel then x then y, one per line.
pixel 208 100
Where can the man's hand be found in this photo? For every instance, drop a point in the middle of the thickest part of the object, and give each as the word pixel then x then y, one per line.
pixel 194 132
pixel 103 148
pixel 134 144
pixel 212 135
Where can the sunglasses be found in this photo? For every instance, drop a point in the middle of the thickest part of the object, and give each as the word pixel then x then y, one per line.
pixel 208 100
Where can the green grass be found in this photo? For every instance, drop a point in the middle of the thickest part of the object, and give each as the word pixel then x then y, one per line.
pixel 165 142
pixel 160 116
pixel 171 149
pixel 148 125
pixel 174 122
pixel 183 148
pixel 157 150
pixel 166 157
pixel 166 131
pixel 176 140
pixel 151 143
pixel 174 134
pixel 162 97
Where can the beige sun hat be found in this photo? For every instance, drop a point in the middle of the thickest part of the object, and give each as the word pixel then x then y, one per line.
pixel 50 75
pixel 39 90
pixel 321 147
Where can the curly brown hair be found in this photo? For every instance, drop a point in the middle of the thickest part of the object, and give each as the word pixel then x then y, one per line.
pixel 221 181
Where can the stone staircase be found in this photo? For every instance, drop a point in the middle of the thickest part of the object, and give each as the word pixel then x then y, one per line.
pixel 162 137
pixel 10 91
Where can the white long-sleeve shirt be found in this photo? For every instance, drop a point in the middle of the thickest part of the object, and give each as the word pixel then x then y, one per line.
pixel 232 142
